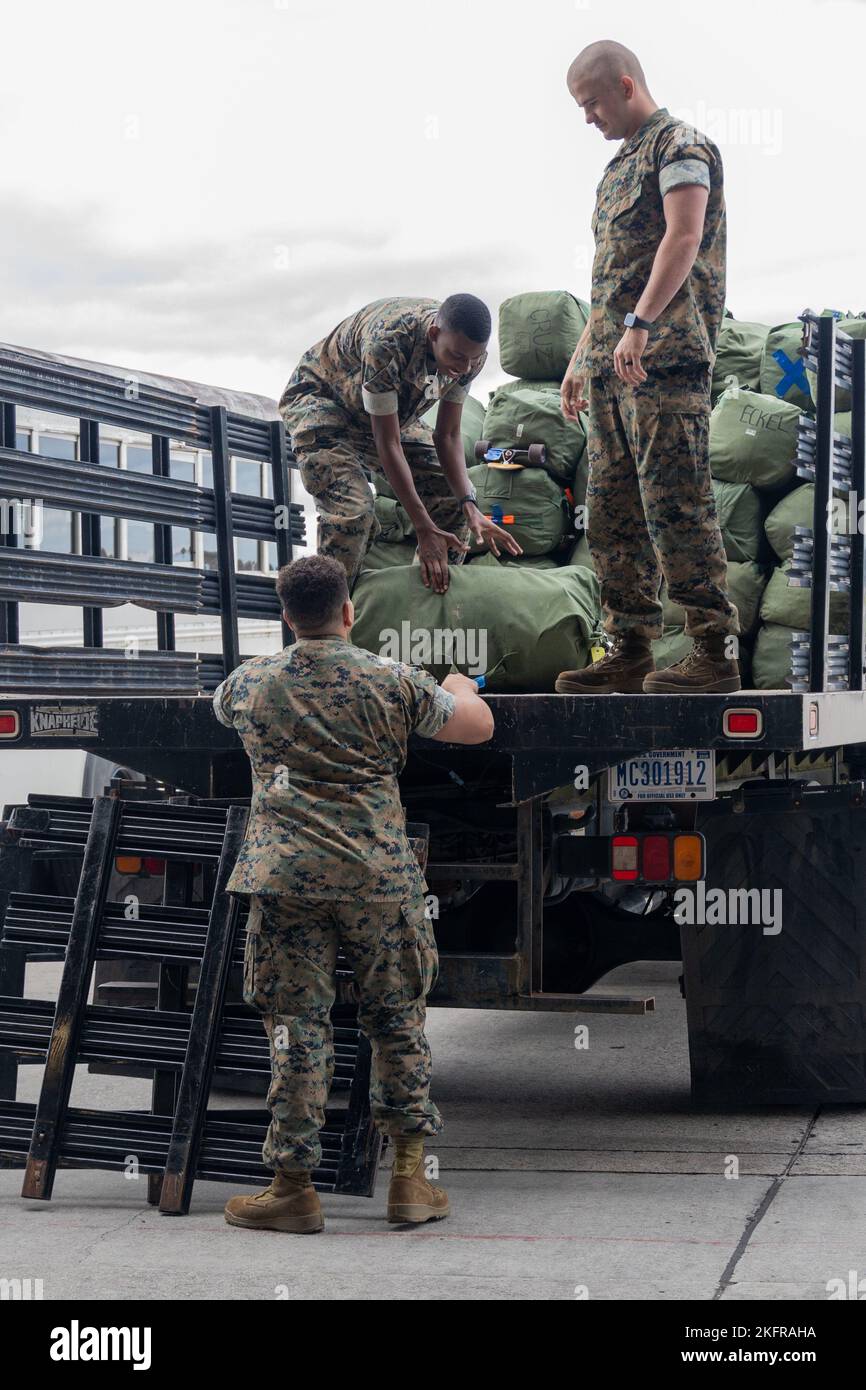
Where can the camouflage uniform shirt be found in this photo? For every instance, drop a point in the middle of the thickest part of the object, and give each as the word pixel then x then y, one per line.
pixel 628 224
pixel 325 725
pixel 378 362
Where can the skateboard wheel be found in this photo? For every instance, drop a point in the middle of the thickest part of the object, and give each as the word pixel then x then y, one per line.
pixel 481 448
pixel 537 453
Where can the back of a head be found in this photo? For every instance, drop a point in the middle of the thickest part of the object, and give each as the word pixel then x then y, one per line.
pixel 312 591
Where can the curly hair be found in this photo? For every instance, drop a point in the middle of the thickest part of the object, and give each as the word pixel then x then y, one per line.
pixel 312 591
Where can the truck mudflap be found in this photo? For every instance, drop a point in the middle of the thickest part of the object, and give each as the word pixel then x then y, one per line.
pixel 774 950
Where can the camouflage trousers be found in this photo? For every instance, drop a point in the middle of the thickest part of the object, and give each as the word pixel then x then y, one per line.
pixel 289 977
pixel 332 471
pixel 652 513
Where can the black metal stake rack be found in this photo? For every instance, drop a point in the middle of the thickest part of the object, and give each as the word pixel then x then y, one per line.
pixel 826 558
pixel 95 490
pixel 178 1139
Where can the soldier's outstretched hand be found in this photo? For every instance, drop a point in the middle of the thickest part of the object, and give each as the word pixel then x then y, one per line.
pixel 486 532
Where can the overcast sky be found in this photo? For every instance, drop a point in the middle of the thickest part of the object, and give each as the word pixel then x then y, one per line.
pixel 205 187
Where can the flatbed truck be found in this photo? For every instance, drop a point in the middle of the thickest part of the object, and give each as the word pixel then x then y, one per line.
pixel 557 852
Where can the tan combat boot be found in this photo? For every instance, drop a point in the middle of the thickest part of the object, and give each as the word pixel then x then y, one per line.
pixel 621 672
pixel 411 1197
pixel 291 1203
pixel 705 670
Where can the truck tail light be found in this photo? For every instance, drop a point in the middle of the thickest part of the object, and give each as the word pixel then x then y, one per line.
pixel 688 858
pixel 623 858
pixel 127 864
pixel 656 859
pixel 674 857
pixel 10 724
pixel 742 723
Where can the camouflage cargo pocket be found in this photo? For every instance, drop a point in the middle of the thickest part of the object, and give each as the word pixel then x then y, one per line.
pixel 317 472
pixel 258 969
pixel 419 958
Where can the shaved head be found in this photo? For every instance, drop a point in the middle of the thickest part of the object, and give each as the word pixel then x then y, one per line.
pixel 604 63
pixel 608 84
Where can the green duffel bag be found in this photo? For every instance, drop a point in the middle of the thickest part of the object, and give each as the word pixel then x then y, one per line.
pixel 739 349
pixel 393 519
pixel 383 556
pixel 524 384
pixel 526 503
pixel 536 562
pixel 771 658
pixel 739 509
pixel 790 607
pixel 471 425
pixel 795 509
pixel 579 553
pixel 523 626
pixel 785 380
pixel 753 439
pixel 522 413
pixel 538 333
pixel 855 326
pixel 746 583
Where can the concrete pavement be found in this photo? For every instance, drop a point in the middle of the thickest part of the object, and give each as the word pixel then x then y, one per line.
pixel 572 1173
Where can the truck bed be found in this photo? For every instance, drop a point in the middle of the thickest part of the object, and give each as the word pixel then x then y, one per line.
pixel 178 738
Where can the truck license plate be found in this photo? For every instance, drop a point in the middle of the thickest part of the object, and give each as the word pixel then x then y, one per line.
pixel 681 775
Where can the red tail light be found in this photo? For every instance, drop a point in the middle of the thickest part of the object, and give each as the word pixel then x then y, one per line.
pixel 742 723
pixel 656 859
pixel 9 724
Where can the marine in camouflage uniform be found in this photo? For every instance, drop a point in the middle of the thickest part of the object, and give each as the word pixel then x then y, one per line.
pixel 377 362
pixel 651 507
pixel 327 863
pixel 651 503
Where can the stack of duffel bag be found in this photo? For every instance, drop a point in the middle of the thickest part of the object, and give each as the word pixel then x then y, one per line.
pixel 753 437
pixel 538 333
pixel 760 387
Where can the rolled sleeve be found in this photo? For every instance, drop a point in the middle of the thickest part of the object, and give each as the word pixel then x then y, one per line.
pixel 440 710
pixel 380 377
pixel 684 156
pixel 378 402
pixel 684 171
pixel 222 704
pixel 429 706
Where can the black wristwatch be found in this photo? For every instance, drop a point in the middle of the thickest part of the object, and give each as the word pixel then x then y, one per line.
pixel 632 321
pixel 470 497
